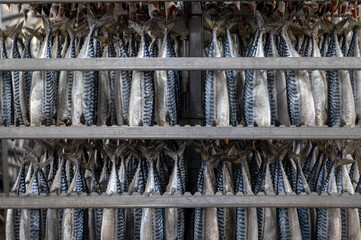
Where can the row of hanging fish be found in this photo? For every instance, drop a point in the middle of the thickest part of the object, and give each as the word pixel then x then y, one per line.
pixel 91 167
pixel 142 10
pixel 107 167
pixel 134 98
pixel 283 97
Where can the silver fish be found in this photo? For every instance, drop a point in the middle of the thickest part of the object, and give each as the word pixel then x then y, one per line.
pixel 216 102
pixel 113 223
pixel 174 219
pixel 38 89
pixel 141 104
pixel 152 224
pixel 355 75
pixel 164 81
pixel 256 99
pixel 276 81
pixel 319 88
pixel 66 84
pixel 299 94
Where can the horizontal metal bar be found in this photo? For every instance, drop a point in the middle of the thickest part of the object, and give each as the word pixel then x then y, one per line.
pixel 183 201
pixel 180 132
pixel 195 63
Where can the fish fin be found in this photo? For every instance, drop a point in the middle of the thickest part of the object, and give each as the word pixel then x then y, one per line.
pixel 119 150
pixel 145 152
pixel 157 150
pixel 136 27
pixel 46 162
pixel 17 30
pixel 344 161
pixel 69 157
pixel 181 149
pixel 170 153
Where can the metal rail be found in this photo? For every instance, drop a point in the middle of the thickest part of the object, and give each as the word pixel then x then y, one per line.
pixel 190 63
pixel 183 201
pixel 180 132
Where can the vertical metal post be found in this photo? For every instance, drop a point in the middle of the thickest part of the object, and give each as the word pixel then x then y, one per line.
pixel 196 50
pixel 5 165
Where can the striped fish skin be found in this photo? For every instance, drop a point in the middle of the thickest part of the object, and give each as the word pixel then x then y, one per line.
pixel 231 76
pixel 319 88
pixel 48 103
pixel 257 110
pixel 226 216
pixel 341 107
pixel 7 97
pixel 351 215
pixel 65 85
pixel 206 222
pixel 299 94
pixel 246 218
pixel 288 222
pixel 276 82
pixel 104 95
pixel 18 108
pixel 38 88
pixel 165 89
pixel 355 75
pixel 174 218
pixel 152 224
pixel 216 102
pixel 82 111
pixel 329 219
pixel 266 217
pixel 113 222
pixel 141 104
pixel 122 90
pixel 137 185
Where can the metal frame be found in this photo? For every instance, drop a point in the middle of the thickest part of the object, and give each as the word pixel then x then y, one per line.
pixel 186 63
pixel 182 201
pixel 180 132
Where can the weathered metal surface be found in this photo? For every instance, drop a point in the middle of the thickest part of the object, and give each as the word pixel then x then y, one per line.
pixel 191 63
pixel 183 201
pixel 179 132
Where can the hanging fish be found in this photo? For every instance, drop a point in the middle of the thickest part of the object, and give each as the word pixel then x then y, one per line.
pixel 348 215
pixel 299 94
pixel 355 75
pixel 267 219
pixel 113 223
pixel 205 219
pixel 256 100
pixel 276 82
pixel 174 218
pixel 122 89
pixel 329 219
pixel 164 81
pixel 137 185
pixel 216 101
pixel 74 220
pixel 13 216
pixel 66 83
pixel 141 104
pixel 341 106
pixel 42 88
pixel 230 52
pixel 83 105
pixel 246 218
pixel 152 225
pixel 6 85
pixel 15 53
pixel 319 88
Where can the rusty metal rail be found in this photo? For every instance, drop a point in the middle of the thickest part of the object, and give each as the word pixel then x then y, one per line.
pixel 183 201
